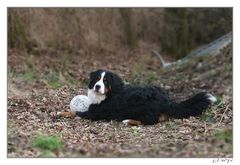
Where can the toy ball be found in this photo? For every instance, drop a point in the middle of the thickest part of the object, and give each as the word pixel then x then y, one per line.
pixel 79 103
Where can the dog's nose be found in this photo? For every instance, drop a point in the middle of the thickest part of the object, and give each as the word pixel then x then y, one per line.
pixel 97 87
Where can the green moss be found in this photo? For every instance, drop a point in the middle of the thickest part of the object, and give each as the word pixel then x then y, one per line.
pixel 50 143
pixel 225 135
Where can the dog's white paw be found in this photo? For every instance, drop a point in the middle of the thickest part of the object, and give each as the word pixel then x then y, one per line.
pixel 126 121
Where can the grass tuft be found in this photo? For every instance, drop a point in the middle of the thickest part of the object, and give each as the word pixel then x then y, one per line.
pixel 50 143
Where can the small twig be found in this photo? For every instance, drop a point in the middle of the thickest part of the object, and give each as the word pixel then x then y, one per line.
pixel 223 115
pixel 205 128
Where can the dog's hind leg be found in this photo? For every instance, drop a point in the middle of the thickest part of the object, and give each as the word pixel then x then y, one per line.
pixel 163 117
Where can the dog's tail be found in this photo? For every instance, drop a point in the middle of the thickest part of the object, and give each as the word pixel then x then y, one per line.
pixel 192 107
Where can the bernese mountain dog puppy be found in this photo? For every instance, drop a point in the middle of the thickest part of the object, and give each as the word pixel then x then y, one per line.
pixel 134 105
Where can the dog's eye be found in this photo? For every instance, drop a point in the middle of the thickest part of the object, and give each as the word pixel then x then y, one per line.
pixel 105 80
pixel 98 78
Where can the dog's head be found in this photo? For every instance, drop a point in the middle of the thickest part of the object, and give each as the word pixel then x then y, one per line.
pixel 102 85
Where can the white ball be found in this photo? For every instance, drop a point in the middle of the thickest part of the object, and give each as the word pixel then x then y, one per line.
pixel 79 103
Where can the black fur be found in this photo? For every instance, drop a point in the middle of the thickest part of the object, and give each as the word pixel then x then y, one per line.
pixel 140 103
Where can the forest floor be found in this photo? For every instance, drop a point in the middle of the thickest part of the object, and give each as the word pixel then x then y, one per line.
pixel 40 84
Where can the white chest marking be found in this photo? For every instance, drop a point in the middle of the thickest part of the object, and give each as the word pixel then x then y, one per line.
pixel 94 97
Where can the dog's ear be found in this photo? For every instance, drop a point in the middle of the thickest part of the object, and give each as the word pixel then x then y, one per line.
pixel 116 83
pixel 92 77
pixel 95 73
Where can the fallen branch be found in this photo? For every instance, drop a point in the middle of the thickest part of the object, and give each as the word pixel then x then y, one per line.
pixel 162 62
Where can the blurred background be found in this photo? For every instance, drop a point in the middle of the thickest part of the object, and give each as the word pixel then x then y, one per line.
pixel 175 31
pixel 51 52
pixel 46 42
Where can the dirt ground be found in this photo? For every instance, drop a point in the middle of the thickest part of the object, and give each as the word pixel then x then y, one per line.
pixel 41 85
